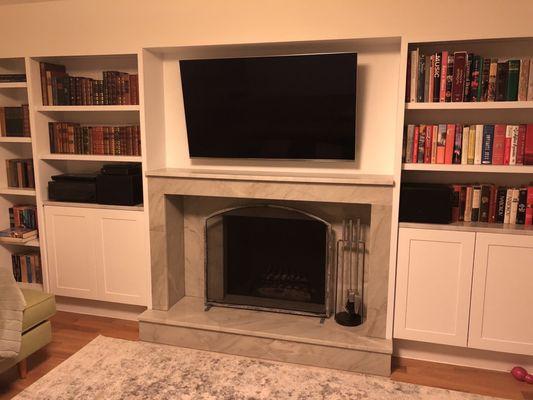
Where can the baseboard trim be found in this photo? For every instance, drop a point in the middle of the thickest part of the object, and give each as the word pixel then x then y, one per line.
pixel 483 359
pixel 99 308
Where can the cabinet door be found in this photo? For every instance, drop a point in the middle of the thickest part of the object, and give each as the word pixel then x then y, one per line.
pixel 434 273
pixel 71 251
pixel 501 316
pixel 122 256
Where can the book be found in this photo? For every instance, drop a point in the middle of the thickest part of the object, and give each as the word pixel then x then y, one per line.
pixel 502 74
pixel 522 206
pixel 529 206
pixel 501 199
pixel 420 78
pixel 492 204
pixel 17 234
pixel 441 144
pixel 449 78
pixel 462 203
pixel 484 207
pixel 15 121
pixel 514 206
pixel 421 143
pixel 530 81
pixel 513 74
pixel 415 144
pixel 508 203
pixel 427 79
pixel 476 203
pixel 471 145
pixel 409 143
pixel 485 74
pixel 443 76
pixel 475 79
pixel 437 65
pixel 46 74
pixel 456 203
pixel 478 144
pixel 450 141
pixel 528 145
pixel 468 204
pixel 498 146
pixel 431 80
pixel 6 78
pixel 464 145
pixel 457 147
pixel 491 89
pixel 523 79
pixel 508 142
pixel 487 145
pixel 427 144
pixel 459 71
pixel 20 173
pixel 514 144
pixel 434 142
pixel 468 72
pixel 521 144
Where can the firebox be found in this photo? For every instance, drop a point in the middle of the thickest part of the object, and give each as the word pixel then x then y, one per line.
pixel 268 257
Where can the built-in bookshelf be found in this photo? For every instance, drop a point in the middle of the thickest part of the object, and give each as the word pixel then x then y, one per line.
pixel 478 108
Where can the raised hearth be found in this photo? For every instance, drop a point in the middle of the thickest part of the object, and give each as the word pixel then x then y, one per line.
pixel 180 201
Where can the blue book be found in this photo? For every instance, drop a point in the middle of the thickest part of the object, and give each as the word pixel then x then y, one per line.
pixel 488 139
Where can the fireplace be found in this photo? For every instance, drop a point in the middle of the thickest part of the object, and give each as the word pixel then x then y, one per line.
pixel 268 257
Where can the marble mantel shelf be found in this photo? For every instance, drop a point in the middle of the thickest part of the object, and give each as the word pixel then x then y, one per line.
pixel 258 176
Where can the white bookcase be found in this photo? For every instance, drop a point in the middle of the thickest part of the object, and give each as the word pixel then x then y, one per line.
pixel 443 269
pixel 115 250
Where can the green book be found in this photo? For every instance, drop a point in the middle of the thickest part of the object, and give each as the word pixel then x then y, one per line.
pixel 512 80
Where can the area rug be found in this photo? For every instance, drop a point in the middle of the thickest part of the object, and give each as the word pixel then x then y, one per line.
pixel 110 368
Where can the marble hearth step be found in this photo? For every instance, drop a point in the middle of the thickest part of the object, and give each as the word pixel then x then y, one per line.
pixel 273 336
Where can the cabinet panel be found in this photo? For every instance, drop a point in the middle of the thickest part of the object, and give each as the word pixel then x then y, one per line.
pixel 502 294
pixel 433 285
pixel 121 253
pixel 70 249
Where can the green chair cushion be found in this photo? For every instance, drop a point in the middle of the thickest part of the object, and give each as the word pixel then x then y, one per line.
pixel 39 307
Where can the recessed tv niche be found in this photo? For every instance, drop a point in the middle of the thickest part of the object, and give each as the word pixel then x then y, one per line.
pixel 286 107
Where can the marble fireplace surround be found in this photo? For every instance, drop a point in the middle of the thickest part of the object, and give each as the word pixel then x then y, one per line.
pixel 179 201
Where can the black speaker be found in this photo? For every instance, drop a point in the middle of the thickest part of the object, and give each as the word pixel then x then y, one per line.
pixel 426 202
pixel 120 184
pixel 79 188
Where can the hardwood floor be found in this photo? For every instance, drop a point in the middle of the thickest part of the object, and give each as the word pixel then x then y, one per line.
pixel 73 331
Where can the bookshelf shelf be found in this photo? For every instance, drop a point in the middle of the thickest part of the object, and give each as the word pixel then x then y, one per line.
pixel 489 105
pixel 25 243
pixel 93 205
pixel 13 85
pixel 86 108
pixel 6 139
pixel 83 157
pixel 474 227
pixel 500 169
pixel 18 191
pixel 34 286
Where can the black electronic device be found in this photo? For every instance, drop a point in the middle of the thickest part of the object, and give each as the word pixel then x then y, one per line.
pixel 78 188
pixel 426 203
pixel 120 184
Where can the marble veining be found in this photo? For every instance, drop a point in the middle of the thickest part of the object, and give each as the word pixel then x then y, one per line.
pixel 112 369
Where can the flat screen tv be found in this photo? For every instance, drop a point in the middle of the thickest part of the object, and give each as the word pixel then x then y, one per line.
pixel 284 107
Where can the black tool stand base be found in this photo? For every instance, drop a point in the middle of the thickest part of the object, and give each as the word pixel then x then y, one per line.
pixel 345 319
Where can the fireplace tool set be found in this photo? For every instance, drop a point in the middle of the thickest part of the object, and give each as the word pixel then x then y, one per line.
pixel 349 309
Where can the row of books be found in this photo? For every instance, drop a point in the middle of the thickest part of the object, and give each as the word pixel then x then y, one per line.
pixel 488 203
pixel 15 121
pixel 497 144
pixel 4 78
pixel 20 173
pixel 462 76
pixel 72 138
pixel 27 267
pixel 59 88
pixel 23 216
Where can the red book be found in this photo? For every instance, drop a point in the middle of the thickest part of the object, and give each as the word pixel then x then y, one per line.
pixel 528 147
pixel 521 144
pixel 443 74
pixel 459 72
pixel 415 144
pixel 492 204
pixel 427 144
pixel 529 207
pixel 498 145
pixel 450 141
pixel 508 143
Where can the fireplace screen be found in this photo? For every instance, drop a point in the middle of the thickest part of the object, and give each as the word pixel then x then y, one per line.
pixel 268 258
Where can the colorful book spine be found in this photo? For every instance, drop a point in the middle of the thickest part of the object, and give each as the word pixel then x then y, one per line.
pixel 498 146
pixel 459 71
pixel 441 144
pixel 457 147
pixel 513 71
pixel 524 79
pixel 488 136
pixel 478 144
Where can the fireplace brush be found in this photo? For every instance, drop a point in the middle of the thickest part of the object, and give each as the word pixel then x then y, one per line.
pixel 350 257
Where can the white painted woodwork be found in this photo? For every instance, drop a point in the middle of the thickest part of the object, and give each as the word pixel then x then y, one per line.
pixel 433 285
pixel 501 316
pixel 71 252
pixel 97 254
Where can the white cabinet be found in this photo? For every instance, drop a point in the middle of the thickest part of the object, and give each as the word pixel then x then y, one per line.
pixel 71 252
pixel 501 316
pixel 433 286
pixel 97 254
pixel 468 289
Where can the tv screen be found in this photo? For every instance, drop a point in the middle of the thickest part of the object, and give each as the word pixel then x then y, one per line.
pixel 286 107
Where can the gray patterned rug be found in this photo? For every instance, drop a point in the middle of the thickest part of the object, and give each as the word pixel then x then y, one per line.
pixel 119 369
